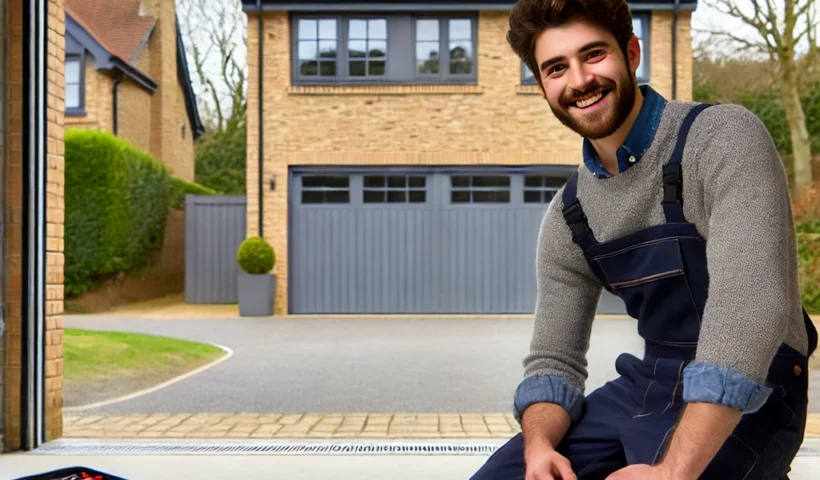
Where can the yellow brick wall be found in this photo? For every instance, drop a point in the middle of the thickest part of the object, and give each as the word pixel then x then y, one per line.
pixel 661 54
pixel 495 122
pixel 134 114
pixel 168 114
pixel 11 347
pixel 55 219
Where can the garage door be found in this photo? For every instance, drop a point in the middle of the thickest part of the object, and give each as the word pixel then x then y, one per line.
pixel 417 241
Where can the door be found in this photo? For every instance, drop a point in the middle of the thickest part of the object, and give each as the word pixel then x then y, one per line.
pixel 427 241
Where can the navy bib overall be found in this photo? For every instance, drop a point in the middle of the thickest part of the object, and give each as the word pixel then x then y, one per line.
pixel 661 274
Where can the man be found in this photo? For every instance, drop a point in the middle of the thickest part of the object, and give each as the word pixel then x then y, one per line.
pixel 683 212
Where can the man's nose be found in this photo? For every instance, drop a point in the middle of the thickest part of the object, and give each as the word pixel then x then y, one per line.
pixel 580 78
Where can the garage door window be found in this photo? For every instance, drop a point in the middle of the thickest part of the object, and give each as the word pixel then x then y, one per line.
pixel 394 189
pixel 325 189
pixel 480 189
pixel 541 188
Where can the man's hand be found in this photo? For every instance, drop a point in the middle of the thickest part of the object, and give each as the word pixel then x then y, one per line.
pixel 547 464
pixel 543 425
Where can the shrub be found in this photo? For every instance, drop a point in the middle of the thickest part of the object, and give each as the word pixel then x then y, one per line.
pixel 255 256
pixel 809 274
pixel 179 188
pixel 220 160
pixel 116 208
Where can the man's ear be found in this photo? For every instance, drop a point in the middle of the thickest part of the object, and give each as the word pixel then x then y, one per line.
pixel 633 53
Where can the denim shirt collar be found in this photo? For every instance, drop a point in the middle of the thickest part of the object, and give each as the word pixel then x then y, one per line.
pixel 637 142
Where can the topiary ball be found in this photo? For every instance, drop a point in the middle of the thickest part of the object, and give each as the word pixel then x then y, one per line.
pixel 255 256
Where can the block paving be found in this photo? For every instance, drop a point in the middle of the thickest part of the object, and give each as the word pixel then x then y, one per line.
pixel 309 425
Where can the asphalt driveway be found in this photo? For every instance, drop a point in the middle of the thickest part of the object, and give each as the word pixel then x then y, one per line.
pixel 423 365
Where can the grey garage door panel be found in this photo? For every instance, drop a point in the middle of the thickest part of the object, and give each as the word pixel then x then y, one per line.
pixel 432 257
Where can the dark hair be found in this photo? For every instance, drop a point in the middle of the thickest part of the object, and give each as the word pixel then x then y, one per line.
pixel 528 18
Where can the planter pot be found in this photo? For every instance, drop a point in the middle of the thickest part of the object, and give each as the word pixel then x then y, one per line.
pixel 256 294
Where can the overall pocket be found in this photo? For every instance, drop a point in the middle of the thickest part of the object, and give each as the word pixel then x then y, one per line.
pixel 651 279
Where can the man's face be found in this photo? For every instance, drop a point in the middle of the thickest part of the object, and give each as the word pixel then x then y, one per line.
pixel 586 80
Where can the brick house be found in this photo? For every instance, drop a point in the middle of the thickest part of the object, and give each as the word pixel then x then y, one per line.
pixel 31 221
pixel 406 157
pixel 126 73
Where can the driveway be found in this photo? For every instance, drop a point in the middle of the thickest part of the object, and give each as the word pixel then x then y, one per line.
pixel 419 365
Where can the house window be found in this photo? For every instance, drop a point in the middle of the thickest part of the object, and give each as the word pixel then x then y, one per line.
pixel 640 27
pixel 317 47
pixel 389 48
pixel 541 188
pixel 325 189
pixel 480 189
pixel 367 47
pixel 73 84
pixel 394 189
pixel 445 48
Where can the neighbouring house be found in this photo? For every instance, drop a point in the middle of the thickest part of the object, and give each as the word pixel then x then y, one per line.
pixel 126 73
pixel 400 159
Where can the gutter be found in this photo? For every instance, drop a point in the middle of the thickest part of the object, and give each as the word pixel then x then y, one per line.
pixel 260 168
pixel 114 103
pixel 675 14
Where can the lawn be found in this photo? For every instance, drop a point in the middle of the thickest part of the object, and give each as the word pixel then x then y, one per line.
pixel 101 365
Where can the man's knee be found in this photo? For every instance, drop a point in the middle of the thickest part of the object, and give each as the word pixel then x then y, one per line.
pixel 506 463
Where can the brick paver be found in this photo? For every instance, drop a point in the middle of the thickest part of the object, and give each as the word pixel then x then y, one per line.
pixel 309 425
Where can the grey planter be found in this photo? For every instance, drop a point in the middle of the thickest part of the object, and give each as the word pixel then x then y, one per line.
pixel 256 294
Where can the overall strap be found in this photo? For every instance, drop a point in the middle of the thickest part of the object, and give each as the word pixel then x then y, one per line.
pixel 574 215
pixel 673 171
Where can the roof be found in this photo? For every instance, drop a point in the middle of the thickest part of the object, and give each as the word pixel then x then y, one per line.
pixel 116 34
pixel 422 5
pixel 116 24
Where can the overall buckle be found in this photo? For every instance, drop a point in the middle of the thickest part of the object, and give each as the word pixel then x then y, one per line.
pixel 576 219
pixel 672 183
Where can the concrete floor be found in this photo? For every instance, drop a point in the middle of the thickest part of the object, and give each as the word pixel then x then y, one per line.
pixel 284 467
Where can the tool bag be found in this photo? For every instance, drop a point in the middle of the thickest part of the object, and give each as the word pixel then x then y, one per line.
pixel 73 473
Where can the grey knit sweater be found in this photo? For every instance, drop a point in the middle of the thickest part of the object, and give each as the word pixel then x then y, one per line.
pixel 735 191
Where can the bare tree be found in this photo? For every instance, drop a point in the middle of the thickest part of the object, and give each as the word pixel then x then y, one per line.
pixel 784 32
pixel 215 35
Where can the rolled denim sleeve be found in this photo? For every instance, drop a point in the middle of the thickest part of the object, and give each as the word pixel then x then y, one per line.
pixel 548 389
pixel 710 383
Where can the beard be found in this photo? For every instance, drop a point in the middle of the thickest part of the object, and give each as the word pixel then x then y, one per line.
pixel 604 122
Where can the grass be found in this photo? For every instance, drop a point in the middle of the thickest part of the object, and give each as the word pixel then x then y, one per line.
pixel 100 364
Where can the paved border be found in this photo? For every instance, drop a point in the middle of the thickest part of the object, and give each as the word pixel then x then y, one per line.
pixel 312 425
pixel 227 356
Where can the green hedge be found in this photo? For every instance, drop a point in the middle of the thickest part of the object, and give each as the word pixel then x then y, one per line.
pixel 809 251
pixel 117 204
pixel 179 188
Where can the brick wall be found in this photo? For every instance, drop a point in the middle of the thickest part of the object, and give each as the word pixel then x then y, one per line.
pixel 12 342
pixel 497 121
pixel 133 110
pixel 55 221
pixel 168 116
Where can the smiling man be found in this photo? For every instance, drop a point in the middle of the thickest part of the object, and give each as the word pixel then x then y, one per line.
pixel 683 211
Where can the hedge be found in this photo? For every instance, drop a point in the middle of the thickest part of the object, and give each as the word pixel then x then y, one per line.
pixel 809 273
pixel 179 188
pixel 116 208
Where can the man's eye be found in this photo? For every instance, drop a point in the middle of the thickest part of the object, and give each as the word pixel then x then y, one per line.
pixel 596 53
pixel 554 69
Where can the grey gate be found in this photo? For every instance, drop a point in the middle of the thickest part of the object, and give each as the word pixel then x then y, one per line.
pixel 416 240
pixel 214 228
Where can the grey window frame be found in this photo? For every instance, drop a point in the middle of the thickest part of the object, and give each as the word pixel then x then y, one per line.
pixel 386 189
pixel 444 75
pixel 646 19
pixel 397 44
pixel 81 59
pixel 472 189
